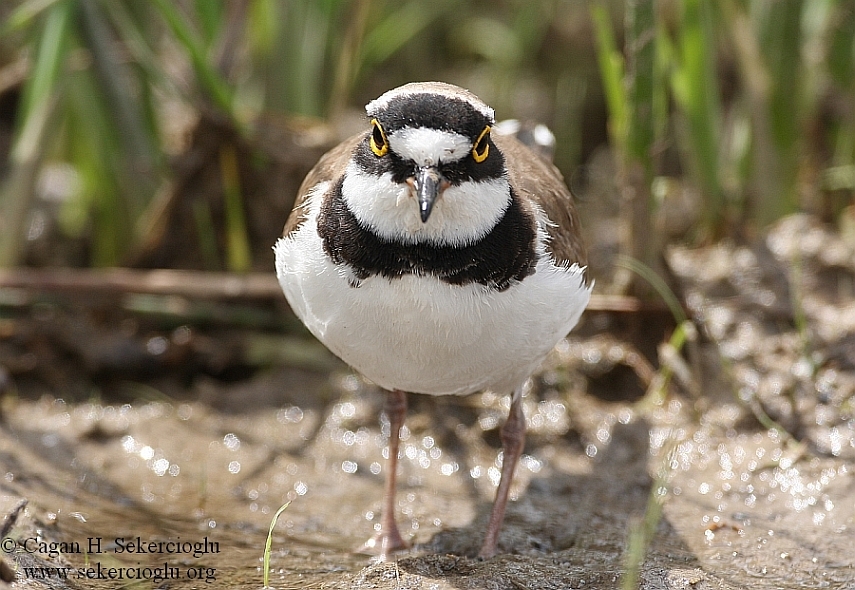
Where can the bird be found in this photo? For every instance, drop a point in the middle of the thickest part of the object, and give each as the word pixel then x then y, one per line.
pixel 435 257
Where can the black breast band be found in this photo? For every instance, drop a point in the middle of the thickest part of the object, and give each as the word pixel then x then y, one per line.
pixel 506 254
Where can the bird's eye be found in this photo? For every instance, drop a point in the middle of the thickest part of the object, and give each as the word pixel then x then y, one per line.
pixel 481 149
pixel 378 142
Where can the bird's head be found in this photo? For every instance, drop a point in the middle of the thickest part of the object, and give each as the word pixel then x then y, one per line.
pixel 427 169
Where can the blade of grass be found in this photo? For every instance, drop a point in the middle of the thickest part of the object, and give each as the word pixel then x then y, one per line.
pixel 38 105
pixel 658 389
pixel 399 25
pixel 238 255
pixel 695 86
pixel 269 543
pixel 136 40
pixel 306 37
pixel 641 37
pixel 263 25
pixel 93 148
pixel 206 235
pixel 138 145
pixel 217 90
pixel 18 190
pixel 781 44
pixel 210 16
pixel 641 49
pixel 841 67
pixel 760 173
pixel 51 54
pixel 641 531
pixel 23 16
pixel 226 45
pixel 611 67
pixel 657 282
pixel 348 57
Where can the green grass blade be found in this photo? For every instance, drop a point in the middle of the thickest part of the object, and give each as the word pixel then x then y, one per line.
pixel 782 47
pixel 125 110
pixel 269 543
pixel 611 66
pixel 210 80
pixel 657 282
pixel 307 36
pixel 695 87
pixel 138 43
pixel 262 26
pixel 206 234
pixel 397 27
pixel 347 64
pixel 238 253
pixel 38 106
pixel 211 16
pixel 50 57
pixel 841 51
pixel 24 15
pixel 93 148
pixel 641 66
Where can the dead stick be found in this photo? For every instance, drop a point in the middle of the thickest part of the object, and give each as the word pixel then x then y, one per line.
pixel 210 285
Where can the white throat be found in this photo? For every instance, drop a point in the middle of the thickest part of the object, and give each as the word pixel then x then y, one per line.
pixel 462 214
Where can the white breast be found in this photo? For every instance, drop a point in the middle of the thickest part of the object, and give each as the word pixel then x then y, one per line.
pixel 422 335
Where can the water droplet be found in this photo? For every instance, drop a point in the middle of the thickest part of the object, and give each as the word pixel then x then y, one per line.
pixel 291 415
pixel 347 410
pixel 231 441
pixel 160 467
pixel 129 444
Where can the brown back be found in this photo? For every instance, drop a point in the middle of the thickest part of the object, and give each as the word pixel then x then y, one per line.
pixel 334 160
pixel 537 180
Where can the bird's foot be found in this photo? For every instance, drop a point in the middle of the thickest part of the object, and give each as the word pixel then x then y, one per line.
pixel 488 551
pixel 384 542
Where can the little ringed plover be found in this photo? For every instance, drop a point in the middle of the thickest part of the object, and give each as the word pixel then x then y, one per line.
pixel 436 257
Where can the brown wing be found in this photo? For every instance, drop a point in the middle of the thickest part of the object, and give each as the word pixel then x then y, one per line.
pixel 538 181
pixel 331 165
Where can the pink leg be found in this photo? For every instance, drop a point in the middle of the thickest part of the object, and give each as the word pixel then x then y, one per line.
pixel 513 441
pixel 388 538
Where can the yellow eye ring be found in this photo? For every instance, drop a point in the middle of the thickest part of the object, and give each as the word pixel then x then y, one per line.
pixel 378 142
pixel 485 151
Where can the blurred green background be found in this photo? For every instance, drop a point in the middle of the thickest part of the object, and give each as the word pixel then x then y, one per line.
pixel 175 133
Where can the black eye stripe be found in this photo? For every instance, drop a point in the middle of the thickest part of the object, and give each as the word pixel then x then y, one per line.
pixel 433 111
pixel 463 170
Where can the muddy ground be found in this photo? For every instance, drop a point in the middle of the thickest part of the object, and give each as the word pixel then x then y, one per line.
pixel 740 472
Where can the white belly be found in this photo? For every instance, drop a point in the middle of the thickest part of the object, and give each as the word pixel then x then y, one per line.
pixel 422 335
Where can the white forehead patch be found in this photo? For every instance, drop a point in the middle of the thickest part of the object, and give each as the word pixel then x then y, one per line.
pixel 428 147
pixel 438 88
